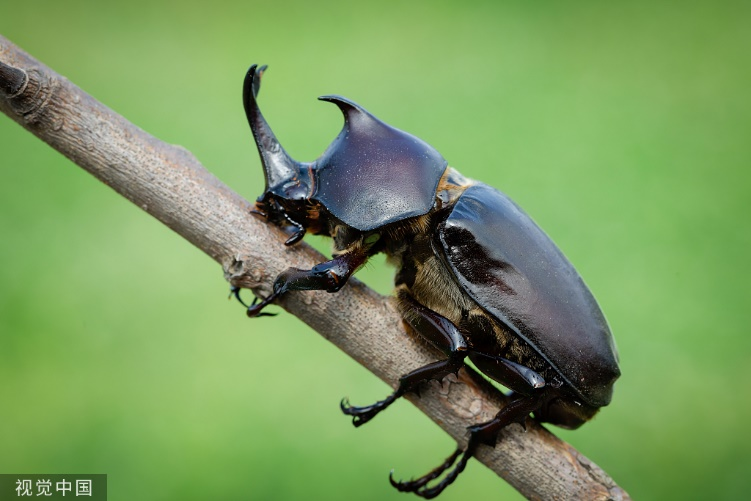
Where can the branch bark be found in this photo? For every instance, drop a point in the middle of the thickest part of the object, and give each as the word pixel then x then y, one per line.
pixel 169 183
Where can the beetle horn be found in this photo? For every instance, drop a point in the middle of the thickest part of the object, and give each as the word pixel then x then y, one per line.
pixel 379 146
pixel 278 166
pixel 355 116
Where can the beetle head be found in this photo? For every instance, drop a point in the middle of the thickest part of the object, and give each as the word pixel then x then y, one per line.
pixel 371 175
pixel 285 177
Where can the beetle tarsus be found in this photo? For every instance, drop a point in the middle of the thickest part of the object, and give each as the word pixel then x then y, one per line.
pixel 361 415
pixel 235 291
pixel 295 238
pixel 254 310
pixel 419 486
pixel 483 433
pixel 413 485
pixel 299 233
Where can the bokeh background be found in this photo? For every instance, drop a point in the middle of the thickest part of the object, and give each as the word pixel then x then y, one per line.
pixel 622 128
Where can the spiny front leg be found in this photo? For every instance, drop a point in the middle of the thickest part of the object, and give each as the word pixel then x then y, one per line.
pixel 329 276
pixel 438 330
pixel 484 433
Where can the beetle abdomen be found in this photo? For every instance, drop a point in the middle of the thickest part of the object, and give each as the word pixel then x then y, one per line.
pixel 512 269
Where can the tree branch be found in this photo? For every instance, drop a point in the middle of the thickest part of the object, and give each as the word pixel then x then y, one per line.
pixel 169 183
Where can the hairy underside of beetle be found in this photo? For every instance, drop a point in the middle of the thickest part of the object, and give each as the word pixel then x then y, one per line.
pixel 423 276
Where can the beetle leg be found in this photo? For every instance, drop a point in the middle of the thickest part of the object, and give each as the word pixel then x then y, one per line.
pixel 263 313
pixel 408 382
pixel 235 291
pixel 516 377
pixel 297 236
pixel 329 276
pixel 440 332
pixel 483 433
pixel 272 210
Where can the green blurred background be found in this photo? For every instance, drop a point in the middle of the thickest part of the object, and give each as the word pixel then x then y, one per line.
pixel 623 128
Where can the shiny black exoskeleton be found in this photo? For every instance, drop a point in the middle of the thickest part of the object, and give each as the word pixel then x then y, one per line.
pixel 476 277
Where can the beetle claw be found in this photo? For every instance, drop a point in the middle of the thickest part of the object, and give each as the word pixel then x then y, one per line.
pixel 523 422
pixel 299 231
pixel 296 237
pixel 419 486
pixel 264 314
pixel 361 415
pixel 235 291
pixel 254 310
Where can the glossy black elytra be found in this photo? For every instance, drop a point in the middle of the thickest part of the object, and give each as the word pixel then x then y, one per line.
pixel 476 277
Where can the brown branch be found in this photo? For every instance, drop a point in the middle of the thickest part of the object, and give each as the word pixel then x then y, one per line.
pixel 169 183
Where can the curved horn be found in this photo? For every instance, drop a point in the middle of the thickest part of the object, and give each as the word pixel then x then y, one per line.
pixel 353 111
pixel 278 166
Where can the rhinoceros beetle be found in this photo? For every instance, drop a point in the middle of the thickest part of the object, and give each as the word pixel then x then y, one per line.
pixel 476 277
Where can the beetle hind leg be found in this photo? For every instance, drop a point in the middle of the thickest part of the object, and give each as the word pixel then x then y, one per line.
pixel 415 485
pixel 419 486
pixel 483 433
pixel 408 382
pixel 440 332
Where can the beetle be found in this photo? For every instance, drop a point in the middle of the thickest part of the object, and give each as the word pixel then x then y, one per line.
pixel 476 277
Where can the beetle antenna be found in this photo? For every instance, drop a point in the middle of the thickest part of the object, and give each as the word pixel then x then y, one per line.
pixel 278 166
